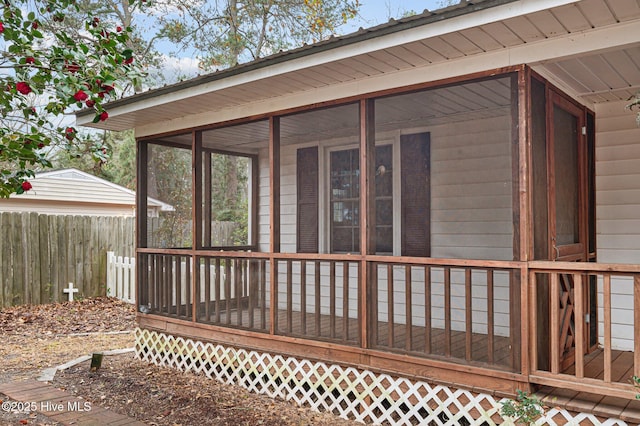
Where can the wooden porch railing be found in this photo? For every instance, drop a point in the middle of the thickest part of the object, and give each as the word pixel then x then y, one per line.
pixel 318 298
pixel 457 310
pixel 573 357
pixel 164 284
pixel 464 311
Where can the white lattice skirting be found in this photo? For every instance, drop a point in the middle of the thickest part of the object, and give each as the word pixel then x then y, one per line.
pixel 350 393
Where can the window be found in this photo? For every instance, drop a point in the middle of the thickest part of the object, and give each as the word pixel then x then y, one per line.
pixel 343 199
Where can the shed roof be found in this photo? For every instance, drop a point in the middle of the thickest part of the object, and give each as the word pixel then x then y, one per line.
pixel 72 185
pixel 588 47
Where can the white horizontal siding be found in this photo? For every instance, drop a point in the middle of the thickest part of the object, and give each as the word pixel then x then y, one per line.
pixel 471 218
pixel 618 212
pixel 49 188
pixel 471 187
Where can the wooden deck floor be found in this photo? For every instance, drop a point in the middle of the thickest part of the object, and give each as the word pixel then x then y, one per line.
pixel 604 406
pixel 493 352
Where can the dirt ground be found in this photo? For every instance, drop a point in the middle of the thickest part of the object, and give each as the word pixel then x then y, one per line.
pixel 43 336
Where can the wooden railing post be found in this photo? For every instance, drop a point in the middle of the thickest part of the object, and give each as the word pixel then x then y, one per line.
pixel 526 308
pixel 606 288
pixel 636 321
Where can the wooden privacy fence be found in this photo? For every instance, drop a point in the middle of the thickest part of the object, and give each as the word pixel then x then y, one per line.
pixel 41 254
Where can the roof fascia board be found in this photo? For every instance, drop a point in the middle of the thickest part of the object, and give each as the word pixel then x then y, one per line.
pixel 328 55
pixel 539 52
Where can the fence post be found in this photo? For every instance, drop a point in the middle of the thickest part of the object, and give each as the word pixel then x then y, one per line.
pixel 119 278
pixel 132 280
pixel 126 272
pixel 111 272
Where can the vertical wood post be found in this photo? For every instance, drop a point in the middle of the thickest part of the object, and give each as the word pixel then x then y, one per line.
pixel 142 154
pixel 522 206
pixel 196 215
pixel 636 321
pixel 367 211
pixel 255 201
pixel 579 311
pixel 607 326
pixel 274 215
pixel 555 323
pixel 206 208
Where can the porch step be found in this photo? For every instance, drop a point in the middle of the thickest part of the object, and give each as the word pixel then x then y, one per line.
pixel 584 402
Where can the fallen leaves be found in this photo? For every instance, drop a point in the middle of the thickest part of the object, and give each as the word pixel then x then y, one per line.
pixel 167 397
pixel 37 337
pixel 100 314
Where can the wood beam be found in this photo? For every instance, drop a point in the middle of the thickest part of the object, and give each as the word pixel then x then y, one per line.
pixel 142 155
pixel 367 211
pixel 196 214
pixel 274 216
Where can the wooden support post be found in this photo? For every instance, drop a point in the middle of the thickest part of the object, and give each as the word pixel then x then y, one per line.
pixel 522 205
pixel 367 212
pixel 142 154
pixel 274 216
pixel 196 212
pixel 207 207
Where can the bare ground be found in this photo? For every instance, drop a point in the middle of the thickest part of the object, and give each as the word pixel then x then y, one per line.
pixel 42 336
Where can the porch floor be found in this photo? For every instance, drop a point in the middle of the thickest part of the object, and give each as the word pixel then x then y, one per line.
pixel 494 351
pixel 604 406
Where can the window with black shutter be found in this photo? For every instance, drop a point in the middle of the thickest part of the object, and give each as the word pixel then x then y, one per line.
pixel 344 198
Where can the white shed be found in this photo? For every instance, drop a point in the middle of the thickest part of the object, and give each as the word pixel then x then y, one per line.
pixel 71 191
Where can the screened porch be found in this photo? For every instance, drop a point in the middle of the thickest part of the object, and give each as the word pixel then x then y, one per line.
pixel 403 231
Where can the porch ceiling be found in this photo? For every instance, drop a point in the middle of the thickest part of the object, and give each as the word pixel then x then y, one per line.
pixel 601 63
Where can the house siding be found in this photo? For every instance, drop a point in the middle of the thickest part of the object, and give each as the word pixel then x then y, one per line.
pixel 471 218
pixel 618 212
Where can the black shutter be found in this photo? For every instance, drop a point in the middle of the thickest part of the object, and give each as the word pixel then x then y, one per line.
pixel 416 194
pixel 307 209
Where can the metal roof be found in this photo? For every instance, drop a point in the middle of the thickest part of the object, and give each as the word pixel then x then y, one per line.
pixel 588 47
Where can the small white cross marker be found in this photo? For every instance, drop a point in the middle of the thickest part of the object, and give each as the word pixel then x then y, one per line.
pixel 70 290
